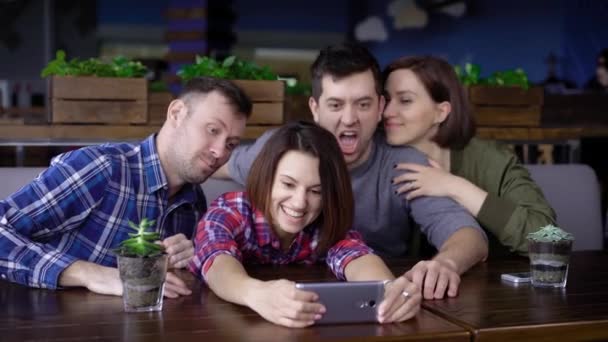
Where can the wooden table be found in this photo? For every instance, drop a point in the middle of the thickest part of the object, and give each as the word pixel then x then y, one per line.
pixel 77 315
pixel 485 310
pixel 499 311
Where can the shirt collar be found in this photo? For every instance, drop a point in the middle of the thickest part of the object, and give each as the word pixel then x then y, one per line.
pixel 154 175
pixel 155 179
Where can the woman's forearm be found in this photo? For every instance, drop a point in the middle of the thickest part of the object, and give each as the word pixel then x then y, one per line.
pixel 228 279
pixel 467 194
pixel 367 267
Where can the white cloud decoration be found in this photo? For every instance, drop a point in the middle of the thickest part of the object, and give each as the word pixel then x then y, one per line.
pixel 371 29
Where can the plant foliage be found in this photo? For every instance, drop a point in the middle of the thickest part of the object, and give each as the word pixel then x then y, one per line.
pixel 230 68
pixel 470 75
pixel 118 67
pixel 142 243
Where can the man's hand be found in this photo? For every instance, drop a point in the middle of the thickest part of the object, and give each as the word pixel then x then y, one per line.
pixel 96 278
pixel 401 301
pixel 280 302
pixel 434 277
pixel 175 287
pixel 180 250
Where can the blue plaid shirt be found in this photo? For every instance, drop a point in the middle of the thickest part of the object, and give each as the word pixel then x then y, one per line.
pixel 79 209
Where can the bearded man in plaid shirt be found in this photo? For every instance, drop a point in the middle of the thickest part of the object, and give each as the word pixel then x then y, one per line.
pixel 60 229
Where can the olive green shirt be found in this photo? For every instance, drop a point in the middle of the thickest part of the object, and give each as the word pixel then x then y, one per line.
pixel 515 205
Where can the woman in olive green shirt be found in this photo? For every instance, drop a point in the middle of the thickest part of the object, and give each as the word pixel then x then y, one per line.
pixel 428 109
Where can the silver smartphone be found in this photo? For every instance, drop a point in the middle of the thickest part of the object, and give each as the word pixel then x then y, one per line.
pixel 347 302
pixel 519 277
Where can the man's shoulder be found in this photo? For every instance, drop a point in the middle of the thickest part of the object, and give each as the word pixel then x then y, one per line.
pixel 398 153
pixel 99 156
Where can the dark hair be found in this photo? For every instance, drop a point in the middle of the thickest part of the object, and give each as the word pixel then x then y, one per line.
pixel 337 211
pixel 233 93
pixel 441 82
pixel 341 61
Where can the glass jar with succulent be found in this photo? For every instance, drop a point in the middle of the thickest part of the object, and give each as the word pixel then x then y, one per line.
pixel 549 249
pixel 142 264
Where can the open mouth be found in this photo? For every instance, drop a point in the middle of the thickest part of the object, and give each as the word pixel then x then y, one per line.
pixel 348 142
pixel 292 213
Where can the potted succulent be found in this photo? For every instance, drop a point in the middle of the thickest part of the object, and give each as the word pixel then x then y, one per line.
pixel 93 91
pixel 503 99
pixel 142 264
pixel 267 93
pixel 549 250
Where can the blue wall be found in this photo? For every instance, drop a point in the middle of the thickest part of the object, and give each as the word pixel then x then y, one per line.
pixel 495 34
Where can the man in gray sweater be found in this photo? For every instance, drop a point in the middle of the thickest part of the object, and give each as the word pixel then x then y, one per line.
pixel 347 101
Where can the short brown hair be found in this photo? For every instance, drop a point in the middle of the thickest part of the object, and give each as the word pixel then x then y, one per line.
pixel 337 211
pixel 441 82
pixel 339 61
pixel 233 93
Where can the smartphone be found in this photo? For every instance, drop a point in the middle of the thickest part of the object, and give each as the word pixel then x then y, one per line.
pixel 347 302
pixel 520 277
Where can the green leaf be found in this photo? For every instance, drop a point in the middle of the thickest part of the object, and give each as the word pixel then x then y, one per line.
pixel 141 243
pixel 229 61
pixel 118 67
pixel 230 68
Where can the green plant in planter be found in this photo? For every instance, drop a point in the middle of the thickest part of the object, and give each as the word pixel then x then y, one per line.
pixel 142 243
pixel 470 75
pixel 142 265
pixel 118 67
pixel 230 68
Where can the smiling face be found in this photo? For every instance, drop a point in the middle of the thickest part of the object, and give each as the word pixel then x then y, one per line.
pixel 411 116
pixel 206 130
pixel 349 108
pixel 295 198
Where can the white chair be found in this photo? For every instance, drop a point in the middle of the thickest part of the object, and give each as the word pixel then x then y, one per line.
pixel 13 178
pixel 574 192
pixel 213 188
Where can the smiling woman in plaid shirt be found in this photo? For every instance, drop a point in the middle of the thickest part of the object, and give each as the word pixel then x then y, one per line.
pixel 60 229
pixel 298 208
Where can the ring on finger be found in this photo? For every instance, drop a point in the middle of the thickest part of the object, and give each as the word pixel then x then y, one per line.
pixel 405 294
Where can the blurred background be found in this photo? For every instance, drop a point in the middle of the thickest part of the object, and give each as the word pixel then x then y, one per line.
pixel 557 39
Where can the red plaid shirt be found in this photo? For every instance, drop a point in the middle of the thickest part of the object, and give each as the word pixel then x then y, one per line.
pixel 231 226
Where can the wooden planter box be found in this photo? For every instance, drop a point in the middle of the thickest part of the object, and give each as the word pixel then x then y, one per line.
pixel 506 106
pixel 268 98
pixel 105 100
pixel 158 102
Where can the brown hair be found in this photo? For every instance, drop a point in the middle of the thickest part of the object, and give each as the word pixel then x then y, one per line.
pixel 337 211
pixel 339 61
pixel 441 82
pixel 205 85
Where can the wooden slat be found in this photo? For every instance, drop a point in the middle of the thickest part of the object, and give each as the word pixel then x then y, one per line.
pixel 157 114
pixel 187 57
pixel 185 35
pixel 263 91
pixel 511 96
pixel 266 113
pixel 163 98
pixel 99 88
pixel 116 112
pixel 186 13
pixel 507 116
pixel 97 132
